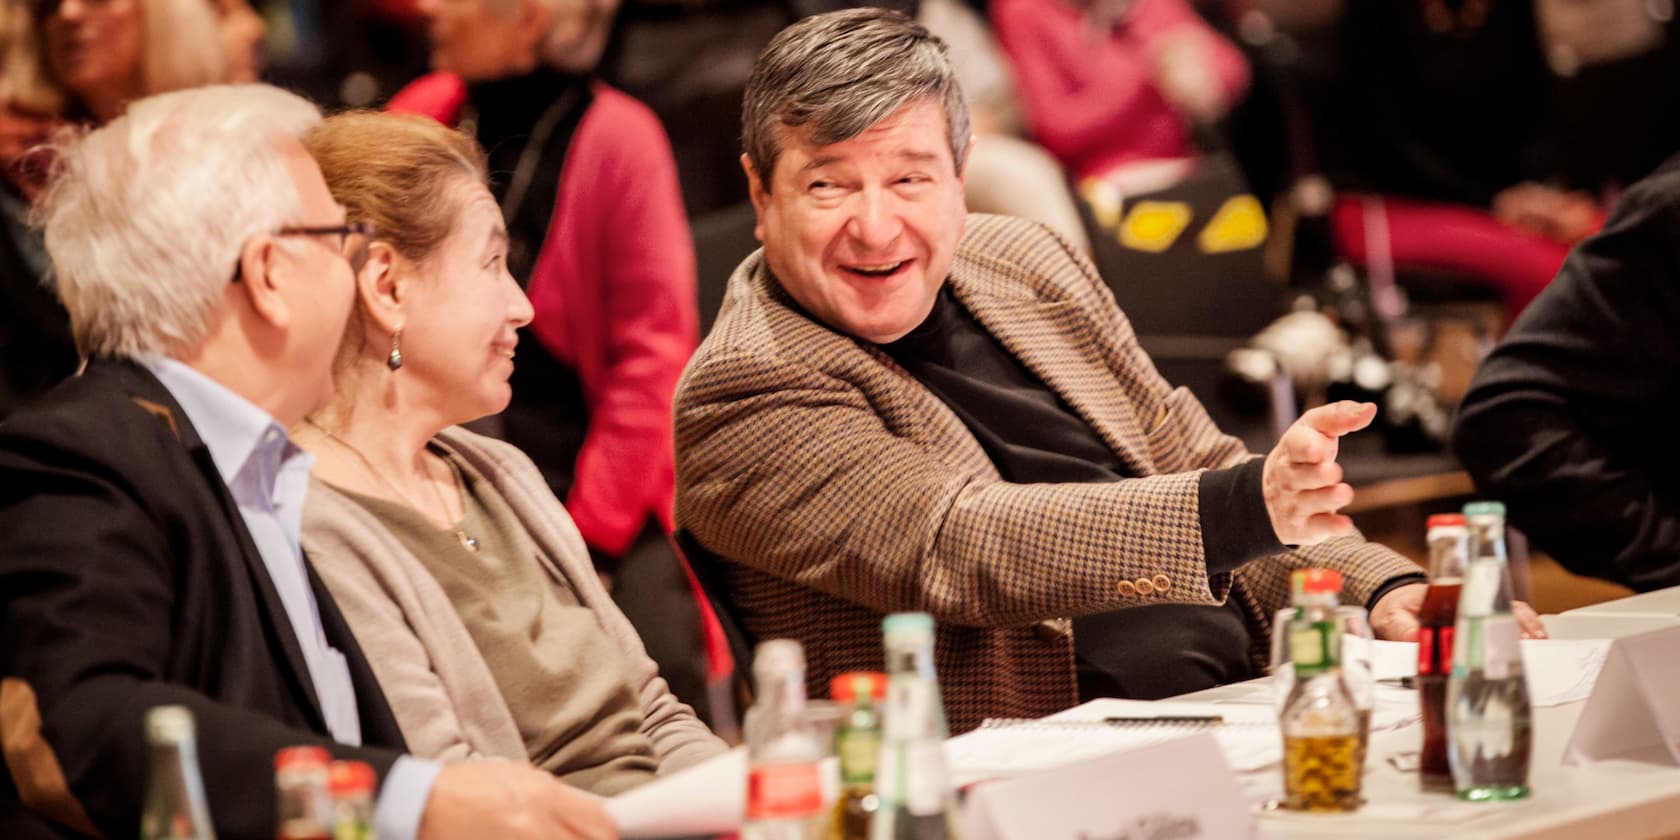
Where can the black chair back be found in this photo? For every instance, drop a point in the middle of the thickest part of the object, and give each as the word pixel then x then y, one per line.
pixel 709 569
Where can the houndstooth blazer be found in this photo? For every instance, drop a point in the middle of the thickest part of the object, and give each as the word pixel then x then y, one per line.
pixel 837 488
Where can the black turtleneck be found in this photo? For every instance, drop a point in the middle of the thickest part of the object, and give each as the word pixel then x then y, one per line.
pixel 1033 436
pixel 547 417
pixel 506 113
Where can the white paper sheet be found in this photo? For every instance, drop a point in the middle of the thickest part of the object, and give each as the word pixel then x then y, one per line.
pixel 1249 738
pixel 702 800
pixel 1559 670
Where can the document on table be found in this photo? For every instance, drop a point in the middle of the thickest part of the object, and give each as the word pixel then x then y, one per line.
pixel 700 801
pixel 1559 670
pixel 1248 736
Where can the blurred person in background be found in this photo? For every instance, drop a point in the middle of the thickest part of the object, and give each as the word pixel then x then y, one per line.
pixel 1121 90
pixel 597 237
pixel 84 61
pixel 103 54
pixel 1434 134
pixel 1007 173
pixel 36 350
pixel 457 568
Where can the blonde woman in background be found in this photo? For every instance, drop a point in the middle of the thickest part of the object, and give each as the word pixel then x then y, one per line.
pixel 90 58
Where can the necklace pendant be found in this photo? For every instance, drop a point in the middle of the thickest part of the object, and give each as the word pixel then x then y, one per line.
pixel 468 541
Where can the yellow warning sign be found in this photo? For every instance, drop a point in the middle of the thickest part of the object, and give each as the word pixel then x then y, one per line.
pixel 1153 226
pixel 1240 224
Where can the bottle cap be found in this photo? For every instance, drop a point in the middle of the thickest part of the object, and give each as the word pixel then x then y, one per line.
pixel 1475 509
pixel 347 777
pixel 169 724
pixel 1315 580
pixel 845 688
pixel 907 624
pixel 299 758
pixel 1446 520
pixel 778 656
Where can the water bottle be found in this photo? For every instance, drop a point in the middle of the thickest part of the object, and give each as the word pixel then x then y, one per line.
pixel 1490 731
pixel 917 801
pixel 784 758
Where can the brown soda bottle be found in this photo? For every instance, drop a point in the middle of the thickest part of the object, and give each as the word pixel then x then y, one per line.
pixel 304 805
pixel 1449 550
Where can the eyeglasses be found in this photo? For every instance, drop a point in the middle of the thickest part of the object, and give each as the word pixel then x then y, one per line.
pixel 357 257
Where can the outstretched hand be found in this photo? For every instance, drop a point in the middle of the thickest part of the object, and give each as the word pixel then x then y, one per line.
pixel 1301 480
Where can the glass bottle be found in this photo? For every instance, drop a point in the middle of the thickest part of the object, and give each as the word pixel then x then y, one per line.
pixel 917 801
pixel 352 784
pixel 784 758
pixel 1449 550
pixel 858 743
pixel 1489 724
pixel 1321 721
pixel 303 799
pixel 175 807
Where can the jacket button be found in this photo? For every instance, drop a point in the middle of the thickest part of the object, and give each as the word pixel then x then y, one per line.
pixel 1162 583
pixel 1126 588
pixel 1144 587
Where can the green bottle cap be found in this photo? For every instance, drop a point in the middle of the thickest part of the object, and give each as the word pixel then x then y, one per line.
pixel 906 623
pixel 1485 509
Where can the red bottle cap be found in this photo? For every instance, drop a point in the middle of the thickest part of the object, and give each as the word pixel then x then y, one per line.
pixel 352 777
pixel 844 688
pixel 1446 520
pixel 1316 580
pixel 299 757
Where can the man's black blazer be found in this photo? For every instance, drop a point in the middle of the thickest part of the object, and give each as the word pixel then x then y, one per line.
pixel 128 580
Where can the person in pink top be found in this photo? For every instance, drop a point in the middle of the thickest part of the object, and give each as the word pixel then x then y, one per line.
pixel 1110 84
pixel 588 189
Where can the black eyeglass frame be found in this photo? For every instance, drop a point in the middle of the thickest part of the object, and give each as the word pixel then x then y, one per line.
pixel 356 259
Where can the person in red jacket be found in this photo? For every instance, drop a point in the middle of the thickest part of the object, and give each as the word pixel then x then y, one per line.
pixel 588 187
pixel 1114 84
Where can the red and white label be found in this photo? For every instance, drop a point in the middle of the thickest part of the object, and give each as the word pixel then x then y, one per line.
pixel 779 791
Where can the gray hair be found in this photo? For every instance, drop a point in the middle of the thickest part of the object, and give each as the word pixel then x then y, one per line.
pixel 838 74
pixel 561 47
pixel 146 216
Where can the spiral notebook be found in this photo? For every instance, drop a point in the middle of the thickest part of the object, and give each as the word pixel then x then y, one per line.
pixel 1001 747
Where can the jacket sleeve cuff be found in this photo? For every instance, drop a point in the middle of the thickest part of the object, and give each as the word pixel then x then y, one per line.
pixel 1236 527
pixel 1392 584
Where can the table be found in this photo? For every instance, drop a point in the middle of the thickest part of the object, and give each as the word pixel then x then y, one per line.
pixel 1660 602
pixel 1633 797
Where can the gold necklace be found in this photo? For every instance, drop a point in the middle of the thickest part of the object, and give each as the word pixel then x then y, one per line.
pixel 468 541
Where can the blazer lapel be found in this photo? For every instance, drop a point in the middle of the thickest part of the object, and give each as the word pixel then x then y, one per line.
pixel 152 397
pixel 1051 337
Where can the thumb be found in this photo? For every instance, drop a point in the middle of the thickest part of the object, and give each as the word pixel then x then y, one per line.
pixel 1340 418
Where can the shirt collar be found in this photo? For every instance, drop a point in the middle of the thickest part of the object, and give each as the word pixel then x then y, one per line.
pixel 232 427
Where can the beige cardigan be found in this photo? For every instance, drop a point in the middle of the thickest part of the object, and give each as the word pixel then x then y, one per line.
pixel 438 686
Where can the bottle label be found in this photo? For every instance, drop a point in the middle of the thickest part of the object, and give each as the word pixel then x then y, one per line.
pixel 859 750
pixel 1435 646
pixel 1309 647
pixel 778 791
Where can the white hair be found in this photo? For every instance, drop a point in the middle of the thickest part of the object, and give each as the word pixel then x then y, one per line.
pixel 146 216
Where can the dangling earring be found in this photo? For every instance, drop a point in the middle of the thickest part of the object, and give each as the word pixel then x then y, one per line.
pixel 394 360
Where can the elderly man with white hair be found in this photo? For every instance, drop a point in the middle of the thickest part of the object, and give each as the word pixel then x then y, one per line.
pixel 149 508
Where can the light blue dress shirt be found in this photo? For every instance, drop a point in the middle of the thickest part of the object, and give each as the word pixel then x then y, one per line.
pixel 268 476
